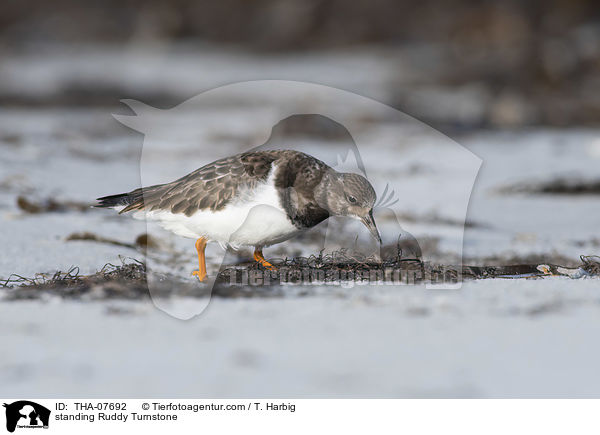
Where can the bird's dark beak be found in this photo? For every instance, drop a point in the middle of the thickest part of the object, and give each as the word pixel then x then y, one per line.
pixel 370 224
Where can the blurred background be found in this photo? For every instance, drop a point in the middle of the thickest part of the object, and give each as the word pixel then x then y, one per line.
pixel 515 82
pixel 453 64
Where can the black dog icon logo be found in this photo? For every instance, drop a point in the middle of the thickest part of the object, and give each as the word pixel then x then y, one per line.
pixel 32 415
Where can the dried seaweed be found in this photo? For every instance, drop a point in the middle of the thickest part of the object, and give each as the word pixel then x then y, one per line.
pixel 559 186
pixel 50 205
pixel 129 279
pixel 141 241
pixel 591 264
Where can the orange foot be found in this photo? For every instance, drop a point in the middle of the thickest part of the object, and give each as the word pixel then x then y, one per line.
pixel 201 272
pixel 258 257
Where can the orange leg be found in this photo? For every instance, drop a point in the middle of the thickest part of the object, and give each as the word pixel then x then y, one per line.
pixel 258 257
pixel 201 272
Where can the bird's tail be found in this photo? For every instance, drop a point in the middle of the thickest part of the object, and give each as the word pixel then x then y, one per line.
pixel 133 200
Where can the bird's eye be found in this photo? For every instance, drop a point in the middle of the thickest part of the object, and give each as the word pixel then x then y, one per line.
pixel 351 199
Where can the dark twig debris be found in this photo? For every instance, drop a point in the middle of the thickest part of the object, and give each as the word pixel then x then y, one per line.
pixel 129 279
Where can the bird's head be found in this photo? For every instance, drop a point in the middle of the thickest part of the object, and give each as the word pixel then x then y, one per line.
pixel 351 195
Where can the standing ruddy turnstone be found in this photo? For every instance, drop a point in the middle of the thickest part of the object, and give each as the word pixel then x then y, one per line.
pixel 254 199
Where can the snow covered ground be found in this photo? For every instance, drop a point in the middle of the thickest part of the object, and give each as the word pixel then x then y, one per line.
pixel 81 155
pixel 492 338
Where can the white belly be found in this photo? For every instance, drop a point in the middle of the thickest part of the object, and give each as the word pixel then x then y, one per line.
pixel 255 218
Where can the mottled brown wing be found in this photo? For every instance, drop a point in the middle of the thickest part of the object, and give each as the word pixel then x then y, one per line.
pixel 211 187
